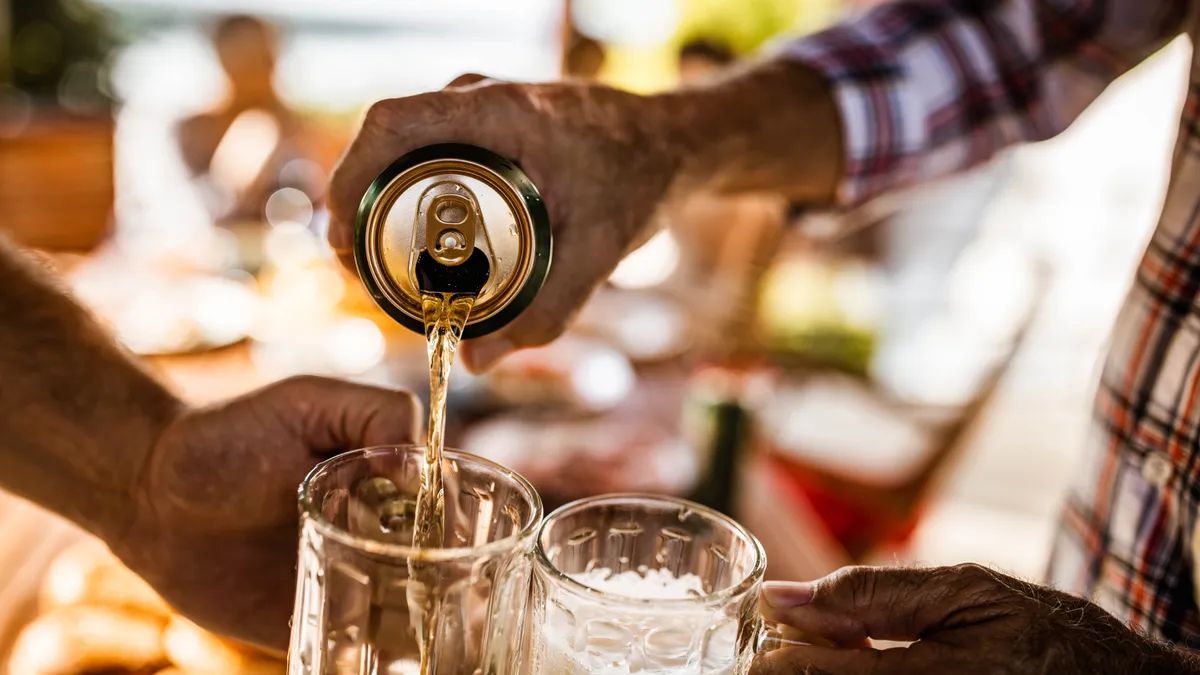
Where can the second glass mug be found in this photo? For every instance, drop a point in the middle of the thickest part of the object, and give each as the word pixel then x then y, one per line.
pixel 361 584
pixel 594 555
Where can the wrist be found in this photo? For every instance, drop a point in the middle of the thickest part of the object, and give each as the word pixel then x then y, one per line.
pixel 770 127
pixel 1161 658
pixel 78 417
pixel 1094 641
pixel 121 493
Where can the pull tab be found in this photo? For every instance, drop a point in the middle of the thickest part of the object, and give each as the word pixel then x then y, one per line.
pixel 450 224
pixel 450 262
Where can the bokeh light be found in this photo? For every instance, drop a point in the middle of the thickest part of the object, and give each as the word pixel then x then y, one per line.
pixel 650 265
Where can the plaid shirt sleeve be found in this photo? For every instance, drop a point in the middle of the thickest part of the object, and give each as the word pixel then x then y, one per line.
pixel 929 87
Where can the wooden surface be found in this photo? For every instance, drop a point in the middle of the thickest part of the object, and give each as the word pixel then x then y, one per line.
pixel 56 183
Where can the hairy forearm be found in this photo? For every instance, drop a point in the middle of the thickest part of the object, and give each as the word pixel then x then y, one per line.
pixel 77 416
pixel 770 127
pixel 1164 659
pixel 1135 653
pixel 1071 635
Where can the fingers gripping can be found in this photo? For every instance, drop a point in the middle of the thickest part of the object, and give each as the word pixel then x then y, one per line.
pixel 453 218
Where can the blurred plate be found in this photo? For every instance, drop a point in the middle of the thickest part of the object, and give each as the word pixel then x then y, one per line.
pixel 841 426
pixel 157 314
pixel 566 459
pixel 646 328
pixel 571 373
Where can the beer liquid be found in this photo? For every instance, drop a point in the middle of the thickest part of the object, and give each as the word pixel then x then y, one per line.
pixel 445 317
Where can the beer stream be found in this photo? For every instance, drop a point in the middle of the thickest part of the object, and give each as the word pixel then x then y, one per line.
pixel 445 316
pixel 443 271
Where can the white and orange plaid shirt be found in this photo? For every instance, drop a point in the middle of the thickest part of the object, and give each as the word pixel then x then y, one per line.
pixel 930 87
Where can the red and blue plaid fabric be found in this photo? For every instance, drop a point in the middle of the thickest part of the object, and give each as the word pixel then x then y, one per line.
pixel 929 87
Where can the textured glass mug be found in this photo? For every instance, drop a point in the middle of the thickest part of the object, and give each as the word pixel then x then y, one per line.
pixel 715 629
pixel 353 592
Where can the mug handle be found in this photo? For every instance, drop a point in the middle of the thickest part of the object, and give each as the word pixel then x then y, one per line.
pixel 773 635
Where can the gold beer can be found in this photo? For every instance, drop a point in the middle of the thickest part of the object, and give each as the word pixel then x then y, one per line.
pixel 453 218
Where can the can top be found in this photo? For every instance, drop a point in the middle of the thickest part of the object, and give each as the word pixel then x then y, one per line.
pixel 455 204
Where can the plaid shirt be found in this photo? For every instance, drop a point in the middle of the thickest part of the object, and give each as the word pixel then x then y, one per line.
pixel 929 87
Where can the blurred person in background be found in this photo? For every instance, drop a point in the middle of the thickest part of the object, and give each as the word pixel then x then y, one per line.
pixel 905 93
pixel 201 502
pixel 727 240
pixel 240 146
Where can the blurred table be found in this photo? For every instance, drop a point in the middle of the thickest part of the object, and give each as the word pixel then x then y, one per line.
pixel 210 376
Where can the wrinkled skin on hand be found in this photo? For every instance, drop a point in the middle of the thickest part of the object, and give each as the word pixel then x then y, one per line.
pixel 606 161
pixel 600 158
pixel 216 525
pixel 961 620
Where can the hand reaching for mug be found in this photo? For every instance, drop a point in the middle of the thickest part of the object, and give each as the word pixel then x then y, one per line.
pixel 201 502
pixel 604 161
pixel 215 524
pixel 963 620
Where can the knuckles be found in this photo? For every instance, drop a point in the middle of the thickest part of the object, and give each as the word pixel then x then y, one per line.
pixel 975 573
pixel 467 79
pixel 379 114
pixel 543 334
pixel 859 583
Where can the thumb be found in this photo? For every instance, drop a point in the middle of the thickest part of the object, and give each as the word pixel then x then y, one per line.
pixel 884 603
pixel 339 415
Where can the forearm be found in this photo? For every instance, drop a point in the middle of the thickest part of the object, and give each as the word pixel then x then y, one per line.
pixel 77 416
pixel 1068 634
pixel 1166 659
pixel 1132 653
pixel 911 91
pixel 769 127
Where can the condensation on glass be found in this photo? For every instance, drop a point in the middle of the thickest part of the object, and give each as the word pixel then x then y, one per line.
pixel 630 583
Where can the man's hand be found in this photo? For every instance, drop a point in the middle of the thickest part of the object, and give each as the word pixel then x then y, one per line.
pixel 597 156
pixel 201 503
pixel 961 620
pixel 215 523
pixel 604 161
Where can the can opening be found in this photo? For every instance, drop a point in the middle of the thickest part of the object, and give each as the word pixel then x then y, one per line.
pixel 453 218
pixel 468 278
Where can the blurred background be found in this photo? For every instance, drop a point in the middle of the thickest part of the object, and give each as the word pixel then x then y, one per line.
pixel 910 381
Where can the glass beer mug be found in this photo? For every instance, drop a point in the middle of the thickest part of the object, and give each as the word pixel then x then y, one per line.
pixel 363 592
pixel 630 583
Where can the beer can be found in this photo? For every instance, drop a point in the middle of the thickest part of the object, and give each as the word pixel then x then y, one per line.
pixel 449 207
